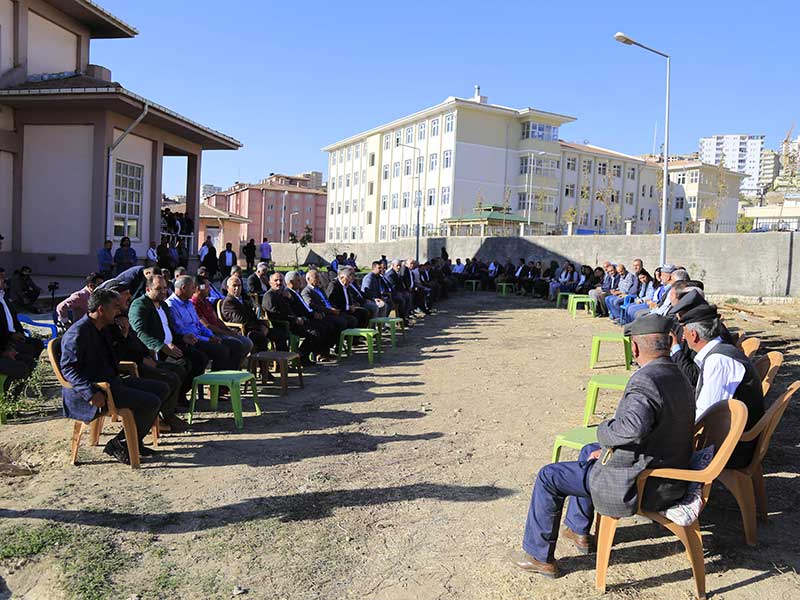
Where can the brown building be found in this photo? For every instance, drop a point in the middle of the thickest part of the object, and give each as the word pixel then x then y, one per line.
pixel 80 155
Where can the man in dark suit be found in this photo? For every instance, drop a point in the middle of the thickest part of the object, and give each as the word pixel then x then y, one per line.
pixel 414 286
pixel 401 297
pixel 342 298
pixel 284 304
pixel 87 358
pixel 652 428
pixel 374 288
pixel 258 282
pixel 318 300
pixel 227 260
pixel 13 343
pixel 237 308
pixel 151 319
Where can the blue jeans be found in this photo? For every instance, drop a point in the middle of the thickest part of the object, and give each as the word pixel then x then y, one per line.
pixel 614 304
pixel 632 310
pixel 553 484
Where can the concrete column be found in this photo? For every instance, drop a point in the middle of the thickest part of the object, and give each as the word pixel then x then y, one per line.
pixel 483 230
pixel 522 230
pixel 193 195
pixel 704 225
pixel 628 226
pixel 570 227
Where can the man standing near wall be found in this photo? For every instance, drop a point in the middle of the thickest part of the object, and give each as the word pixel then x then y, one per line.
pixel 266 251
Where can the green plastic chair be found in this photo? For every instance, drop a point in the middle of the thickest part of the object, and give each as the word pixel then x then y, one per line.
pixel 504 288
pixel 566 295
pixel 473 284
pixel 233 380
pixel 392 323
pixel 576 300
pixel 611 337
pixel 370 335
pixel 3 378
pixel 597 383
pixel 574 438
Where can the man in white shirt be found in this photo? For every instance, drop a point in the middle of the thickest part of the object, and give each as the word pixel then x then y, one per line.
pixel 152 254
pixel 227 259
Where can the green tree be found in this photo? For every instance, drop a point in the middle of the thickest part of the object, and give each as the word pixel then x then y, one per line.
pixel 300 242
pixel 744 224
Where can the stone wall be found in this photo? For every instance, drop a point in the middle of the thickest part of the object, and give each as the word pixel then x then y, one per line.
pixel 763 264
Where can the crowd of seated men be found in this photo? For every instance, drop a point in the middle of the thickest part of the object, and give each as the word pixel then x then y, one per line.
pixel 687 364
pixel 167 323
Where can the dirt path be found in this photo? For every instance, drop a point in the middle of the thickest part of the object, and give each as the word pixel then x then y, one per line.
pixel 407 480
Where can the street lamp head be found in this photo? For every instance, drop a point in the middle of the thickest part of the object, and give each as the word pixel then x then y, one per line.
pixel 622 38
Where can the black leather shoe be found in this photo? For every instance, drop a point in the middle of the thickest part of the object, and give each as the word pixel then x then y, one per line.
pixel 115 448
pixel 145 451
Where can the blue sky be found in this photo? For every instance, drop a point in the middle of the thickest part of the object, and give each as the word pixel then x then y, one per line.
pixel 287 78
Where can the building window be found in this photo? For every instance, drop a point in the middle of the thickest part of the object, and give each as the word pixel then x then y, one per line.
pixel 434 127
pixel 539 131
pixel 586 166
pixel 346 206
pixel 333 157
pixel 371 188
pixel 333 183
pixel 357 149
pixel 332 208
pixel 679 178
pixel 352 233
pixel 644 190
pixel 679 202
pixel 404 230
pixel 616 170
pixel 407 167
pixel 691 201
pixel 386 139
pixel 694 176
pixel 369 217
pixel 386 171
pixel 631 173
pixel 355 177
pixel 569 190
pixel 420 164
pixel 397 169
pixel 448 123
pixel 347 180
pixel 445 195
pixel 371 159
pixel 340 181
pixel 128 189
pixel 545 167
pixel 394 200
pixel 421 131
pixel 651 191
pixel 434 158
pixel 355 204
pixel 649 214
pixel 572 163
pixel 409 135
pixel 384 202
pixel 524 165
pixel 341 155
pixel 383 232
pixel 431 196
pixel 394 232
pixel 417 198
pixel 330 233
pixel 339 207
pixel 349 153
pixel 522 201
pixel 641 214
pixel 614 196
pixel 447 158
pixel 338 233
pixel 602 168
pixel 629 198
pixel 429 228
pixel 406 199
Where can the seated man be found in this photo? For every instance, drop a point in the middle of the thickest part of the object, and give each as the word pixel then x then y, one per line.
pixel 599 294
pixel 652 428
pixel 418 293
pixel 87 358
pixel 258 282
pixel 318 300
pixel 75 305
pixel 431 278
pixel 224 354
pixel 374 288
pixel 628 284
pixel 151 319
pixel 341 297
pixel 237 308
pixel 285 304
pixel 375 307
pixel 725 373
pixel 23 291
pixel 401 296
pixel 128 347
pixel 208 317
pixel 14 344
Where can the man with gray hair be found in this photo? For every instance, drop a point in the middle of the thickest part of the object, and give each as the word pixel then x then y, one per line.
pixel 194 333
pixel 668 299
pixel 342 297
pixel 258 282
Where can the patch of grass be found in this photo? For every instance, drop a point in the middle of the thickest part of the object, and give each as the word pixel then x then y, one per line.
pixel 28 394
pixel 89 567
pixel 732 301
pixel 25 542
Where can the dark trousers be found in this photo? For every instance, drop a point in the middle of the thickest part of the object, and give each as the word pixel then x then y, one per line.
pixel 15 369
pixel 170 374
pixel 251 263
pixel 553 484
pixel 143 397
pixel 402 304
pixel 193 362
pixel 218 354
pixel 361 314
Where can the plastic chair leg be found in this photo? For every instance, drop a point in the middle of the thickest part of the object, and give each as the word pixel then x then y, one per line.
pixel 760 493
pixel 95 429
pixel 255 396
pixel 154 431
pixel 592 392
pixel 236 404
pixel 693 543
pixel 284 368
pixel 77 432
pixel 131 435
pixel 595 353
pixel 556 449
pixel 370 350
pixel 626 342
pixel 741 486
pixel 605 539
pixel 392 333
pixel 214 397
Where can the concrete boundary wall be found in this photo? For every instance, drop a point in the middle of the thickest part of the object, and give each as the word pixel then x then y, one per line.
pixel 749 264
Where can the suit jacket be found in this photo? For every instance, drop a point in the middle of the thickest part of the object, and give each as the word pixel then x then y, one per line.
pixel 5 334
pixel 397 282
pixel 235 310
pixel 276 305
pixel 652 428
pixel 147 324
pixel 87 357
pixel 254 284
pixel 407 277
pixel 312 297
pixel 336 295
pixel 373 286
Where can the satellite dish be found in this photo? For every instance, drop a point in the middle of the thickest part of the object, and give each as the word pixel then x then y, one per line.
pixel 585 142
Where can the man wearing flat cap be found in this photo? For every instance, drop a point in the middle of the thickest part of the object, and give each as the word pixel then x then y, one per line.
pixel 652 428
pixel 724 373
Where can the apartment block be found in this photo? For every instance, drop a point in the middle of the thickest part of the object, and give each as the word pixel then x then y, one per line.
pixel 769 169
pixel 700 190
pixel 741 153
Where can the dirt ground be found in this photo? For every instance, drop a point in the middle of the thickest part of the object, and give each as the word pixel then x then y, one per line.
pixel 407 480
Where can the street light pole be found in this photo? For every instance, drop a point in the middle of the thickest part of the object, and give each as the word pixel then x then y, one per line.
pixel 283 214
pixel 291 216
pixel 624 39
